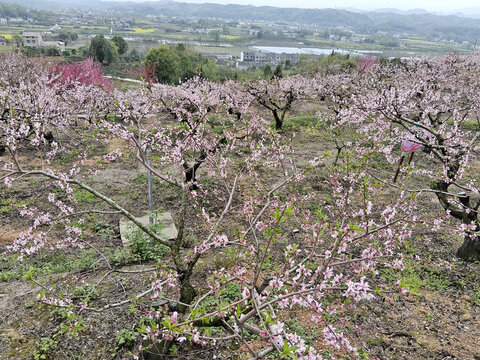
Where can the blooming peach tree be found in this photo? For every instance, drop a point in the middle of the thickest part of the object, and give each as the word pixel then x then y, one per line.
pixel 293 237
pixel 279 94
pixel 433 104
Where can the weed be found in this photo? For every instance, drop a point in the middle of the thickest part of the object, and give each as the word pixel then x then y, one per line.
pixel 31 273
pixel 415 277
pixel 69 157
pixel 126 338
pixel 296 327
pixel 71 324
pixel 327 353
pixel 43 347
pixel 47 264
pixel 476 295
pixel 144 247
pixel 374 341
pixel 61 262
pixel 173 350
pixel 301 121
pixel 86 293
pixel 6 205
pixel 121 257
pixel 103 230
pixel 429 316
pixel 226 262
pixel 84 197
pixel 436 280
pixel 143 179
pixel 471 125
pixel 7 275
pixel 231 292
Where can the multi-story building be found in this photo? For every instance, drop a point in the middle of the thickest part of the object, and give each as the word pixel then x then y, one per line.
pixel 259 58
pixel 32 39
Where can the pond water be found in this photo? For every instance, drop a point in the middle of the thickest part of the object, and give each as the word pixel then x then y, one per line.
pixel 312 51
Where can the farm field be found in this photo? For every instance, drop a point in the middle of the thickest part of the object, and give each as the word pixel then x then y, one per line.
pixel 142 33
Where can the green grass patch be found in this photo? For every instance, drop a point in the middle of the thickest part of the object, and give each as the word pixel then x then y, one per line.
pixel 145 248
pixel 230 293
pixel 142 179
pixel 476 295
pixel 8 204
pixel 46 264
pixel 470 125
pixel 84 197
pixel 69 157
pixel 301 121
pixel 142 248
pixel 415 278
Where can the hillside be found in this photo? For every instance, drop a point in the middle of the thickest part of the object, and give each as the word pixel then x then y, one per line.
pixel 413 22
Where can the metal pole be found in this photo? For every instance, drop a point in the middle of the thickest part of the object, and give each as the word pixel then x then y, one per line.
pixel 398 169
pixel 150 189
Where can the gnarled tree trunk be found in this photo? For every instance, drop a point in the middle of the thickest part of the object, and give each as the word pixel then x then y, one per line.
pixel 470 249
pixel 468 214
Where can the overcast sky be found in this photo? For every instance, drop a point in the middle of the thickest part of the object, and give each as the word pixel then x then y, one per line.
pixel 431 5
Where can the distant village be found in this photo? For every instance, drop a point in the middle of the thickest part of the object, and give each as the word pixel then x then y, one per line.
pixel 211 33
pixel 247 59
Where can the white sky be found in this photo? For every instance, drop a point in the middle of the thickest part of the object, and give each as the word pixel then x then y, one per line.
pixel 431 5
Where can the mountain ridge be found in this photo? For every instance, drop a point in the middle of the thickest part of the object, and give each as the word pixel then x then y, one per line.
pixel 415 21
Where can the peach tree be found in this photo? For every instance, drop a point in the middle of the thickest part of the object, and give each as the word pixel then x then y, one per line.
pixel 293 236
pixel 433 104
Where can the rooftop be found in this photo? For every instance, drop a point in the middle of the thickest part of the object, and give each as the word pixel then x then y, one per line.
pixel 31 33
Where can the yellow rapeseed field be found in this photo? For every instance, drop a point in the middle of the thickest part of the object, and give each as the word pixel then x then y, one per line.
pixel 143 31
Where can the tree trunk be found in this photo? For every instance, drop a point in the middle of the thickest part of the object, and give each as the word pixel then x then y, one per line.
pixel 184 272
pixel 470 249
pixel 161 350
pixel 278 120
pixel 187 291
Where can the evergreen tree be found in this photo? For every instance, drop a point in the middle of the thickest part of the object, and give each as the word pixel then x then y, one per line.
pixel 103 50
pixel 278 73
pixel 267 71
pixel 121 44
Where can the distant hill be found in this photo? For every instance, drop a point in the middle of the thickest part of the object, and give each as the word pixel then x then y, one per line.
pixel 473 12
pixel 12 10
pixel 402 12
pixel 417 21
pixel 74 4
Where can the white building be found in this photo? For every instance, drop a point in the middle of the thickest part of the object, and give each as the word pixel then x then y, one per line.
pixel 267 57
pixel 32 39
